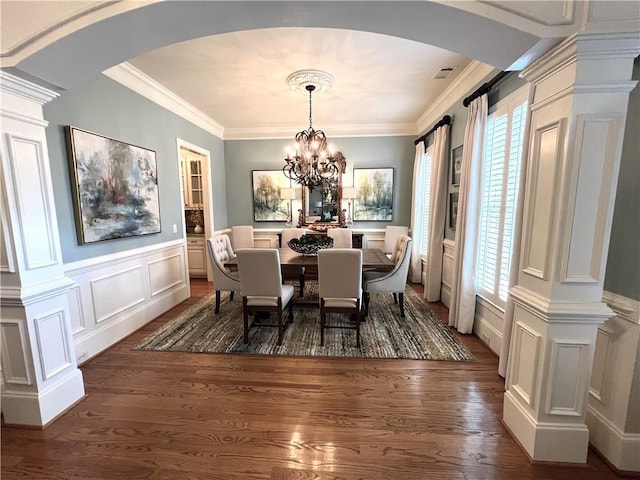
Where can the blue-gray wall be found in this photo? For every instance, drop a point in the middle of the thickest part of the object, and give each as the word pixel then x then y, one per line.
pixel 105 107
pixel 623 265
pixel 243 156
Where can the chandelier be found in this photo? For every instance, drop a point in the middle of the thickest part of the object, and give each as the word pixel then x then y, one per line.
pixel 311 162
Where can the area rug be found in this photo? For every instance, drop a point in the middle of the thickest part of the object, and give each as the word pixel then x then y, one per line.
pixel 419 335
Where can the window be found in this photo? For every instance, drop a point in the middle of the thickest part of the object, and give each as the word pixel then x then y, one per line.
pixel 425 179
pixel 500 185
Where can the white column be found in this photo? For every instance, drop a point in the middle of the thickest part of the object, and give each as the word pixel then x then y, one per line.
pixel 41 377
pixel 579 107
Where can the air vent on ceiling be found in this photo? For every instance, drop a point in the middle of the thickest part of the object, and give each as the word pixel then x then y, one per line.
pixel 444 72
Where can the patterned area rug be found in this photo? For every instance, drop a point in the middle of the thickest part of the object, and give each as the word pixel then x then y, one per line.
pixel 385 334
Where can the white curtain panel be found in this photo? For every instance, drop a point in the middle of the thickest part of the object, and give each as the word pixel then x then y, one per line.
pixel 415 268
pixel 437 213
pixel 463 293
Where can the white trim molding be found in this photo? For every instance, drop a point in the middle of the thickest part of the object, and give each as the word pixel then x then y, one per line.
pixel 134 79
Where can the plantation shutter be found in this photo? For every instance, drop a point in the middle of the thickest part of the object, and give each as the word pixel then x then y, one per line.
pixel 501 173
pixel 425 178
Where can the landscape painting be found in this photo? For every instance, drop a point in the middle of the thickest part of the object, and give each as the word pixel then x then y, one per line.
pixel 115 187
pixel 374 197
pixel 268 206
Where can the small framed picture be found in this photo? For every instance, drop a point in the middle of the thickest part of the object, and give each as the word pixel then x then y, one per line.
pixel 453 210
pixel 456 165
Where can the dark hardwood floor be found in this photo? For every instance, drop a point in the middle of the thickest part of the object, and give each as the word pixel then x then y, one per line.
pixel 162 415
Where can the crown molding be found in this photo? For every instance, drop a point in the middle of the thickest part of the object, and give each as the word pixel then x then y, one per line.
pixel 132 78
pixel 23 88
pixel 335 131
pixel 473 74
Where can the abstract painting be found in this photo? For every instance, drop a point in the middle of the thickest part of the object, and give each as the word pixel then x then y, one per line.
pixel 268 206
pixel 374 197
pixel 115 187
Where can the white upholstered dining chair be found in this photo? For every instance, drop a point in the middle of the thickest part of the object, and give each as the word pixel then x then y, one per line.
pixel 341 237
pixel 219 251
pixel 242 236
pixel 340 287
pixel 291 272
pixel 262 288
pixel 394 281
pixel 391 234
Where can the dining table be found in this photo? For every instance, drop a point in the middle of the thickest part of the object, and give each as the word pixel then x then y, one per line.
pixel 372 259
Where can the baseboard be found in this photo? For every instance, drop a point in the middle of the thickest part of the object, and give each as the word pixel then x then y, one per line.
pixel 38 409
pixel 618 448
pixel 548 443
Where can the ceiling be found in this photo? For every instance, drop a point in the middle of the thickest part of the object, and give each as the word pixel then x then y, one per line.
pixel 230 60
pixel 239 79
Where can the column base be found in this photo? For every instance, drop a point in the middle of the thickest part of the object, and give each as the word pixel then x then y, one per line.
pixel 551 442
pixel 38 409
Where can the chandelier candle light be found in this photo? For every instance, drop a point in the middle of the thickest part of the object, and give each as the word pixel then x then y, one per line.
pixel 311 162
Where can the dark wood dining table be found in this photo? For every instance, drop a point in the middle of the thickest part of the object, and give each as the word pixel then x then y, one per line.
pixel 372 259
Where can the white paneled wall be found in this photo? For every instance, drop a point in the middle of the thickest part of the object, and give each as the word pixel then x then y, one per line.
pixel 117 294
pixel 612 414
pixel 447 271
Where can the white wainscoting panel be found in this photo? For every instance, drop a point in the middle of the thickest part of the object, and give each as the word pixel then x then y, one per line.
pixel 525 362
pixel 75 311
pixel 581 254
pixel 488 324
pixel 447 271
pixel 119 293
pixel 372 239
pixel 53 349
pixel 14 353
pixel 165 273
pixel 39 247
pixel 130 288
pixel 564 390
pixel 612 414
pixel 542 177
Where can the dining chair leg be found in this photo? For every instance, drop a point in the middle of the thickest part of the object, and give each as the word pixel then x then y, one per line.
pixel 366 303
pixel 290 311
pixel 395 298
pixel 217 309
pixel 322 322
pixel 358 324
pixel 301 294
pixel 280 327
pixel 245 315
pixel 401 300
pixel 231 295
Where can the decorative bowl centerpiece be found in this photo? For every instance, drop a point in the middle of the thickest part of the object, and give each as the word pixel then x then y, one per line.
pixel 310 244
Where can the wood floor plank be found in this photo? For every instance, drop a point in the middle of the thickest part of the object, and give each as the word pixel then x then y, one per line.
pixel 169 415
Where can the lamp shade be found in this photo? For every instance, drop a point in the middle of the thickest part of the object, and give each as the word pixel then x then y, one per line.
pixel 349 192
pixel 288 194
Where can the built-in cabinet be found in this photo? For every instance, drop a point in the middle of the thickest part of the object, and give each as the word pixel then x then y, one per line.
pixel 193 190
pixel 196 256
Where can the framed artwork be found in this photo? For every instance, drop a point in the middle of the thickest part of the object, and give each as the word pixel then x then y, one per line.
pixel 374 194
pixel 268 206
pixel 114 185
pixel 453 210
pixel 456 165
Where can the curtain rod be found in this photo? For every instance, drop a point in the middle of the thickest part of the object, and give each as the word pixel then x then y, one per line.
pixel 446 120
pixel 484 88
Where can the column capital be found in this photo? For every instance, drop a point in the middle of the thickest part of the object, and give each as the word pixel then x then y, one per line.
pixel 586 46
